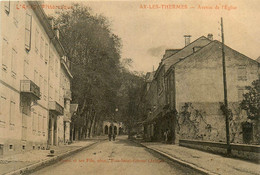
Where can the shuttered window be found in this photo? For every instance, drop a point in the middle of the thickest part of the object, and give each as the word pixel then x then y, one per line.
pixel 5 54
pixel 12 112
pixel 41 47
pixel 28 31
pixel 13 61
pixel 7 6
pixel 3 110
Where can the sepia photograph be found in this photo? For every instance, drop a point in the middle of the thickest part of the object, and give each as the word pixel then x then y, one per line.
pixel 130 87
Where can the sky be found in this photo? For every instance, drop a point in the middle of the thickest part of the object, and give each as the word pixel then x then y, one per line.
pixel 147 28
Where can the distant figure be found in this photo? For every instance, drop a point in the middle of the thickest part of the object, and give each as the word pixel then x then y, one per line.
pixel 166 134
pixel 114 137
pixel 109 136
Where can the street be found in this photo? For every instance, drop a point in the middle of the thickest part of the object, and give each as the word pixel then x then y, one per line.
pixel 115 157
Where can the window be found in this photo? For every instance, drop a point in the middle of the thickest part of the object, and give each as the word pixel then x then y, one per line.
pixel 51 93
pixel 36 40
pixel 41 48
pixel 46 52
pixel 26 68
pixel 7 6
pixel 13 61
pixel 41 84
pixel 38 124
pixel 12 113
pixel 43 124
pixel 34 122
pixel 5 52
pixel 15 4
pixel 3 110
pixel 242 73
pixel 28 28
pixel 45 89
pixel 51 61
pixel 36 77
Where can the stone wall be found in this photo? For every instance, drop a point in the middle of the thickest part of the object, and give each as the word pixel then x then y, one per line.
pixel 248 152
pixel 205 121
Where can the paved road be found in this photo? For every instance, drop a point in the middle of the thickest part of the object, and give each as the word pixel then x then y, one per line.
pixel 120 157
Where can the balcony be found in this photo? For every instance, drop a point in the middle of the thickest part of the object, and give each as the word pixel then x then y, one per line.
pixel 29 88
pixel 67 94
pixel 56 108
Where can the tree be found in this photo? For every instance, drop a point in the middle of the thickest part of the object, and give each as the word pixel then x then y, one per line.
pixel 94 52
pixel 131 99
pixel 251 101
pixel 101 82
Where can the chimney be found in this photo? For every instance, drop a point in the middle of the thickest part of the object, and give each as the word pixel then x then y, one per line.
pixel 210 36
pixel 187 39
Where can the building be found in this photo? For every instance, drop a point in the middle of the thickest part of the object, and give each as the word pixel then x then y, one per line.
pixel 160 110
pixel 33 67
pixel 113 127
pixel 190 93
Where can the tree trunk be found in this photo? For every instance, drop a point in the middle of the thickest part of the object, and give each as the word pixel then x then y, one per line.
pixel 92 126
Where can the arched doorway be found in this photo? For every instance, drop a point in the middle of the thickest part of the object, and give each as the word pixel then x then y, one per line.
pixel 115 130
pixel 106 129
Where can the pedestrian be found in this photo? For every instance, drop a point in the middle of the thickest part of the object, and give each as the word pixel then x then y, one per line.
pixel 114 137
pixel 109 136
pixel 166 133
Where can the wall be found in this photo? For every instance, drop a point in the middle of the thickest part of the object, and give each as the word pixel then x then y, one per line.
pixel 248 152
pixel 199 91
pixel 18 64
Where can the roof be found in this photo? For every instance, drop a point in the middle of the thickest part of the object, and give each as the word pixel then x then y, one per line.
pixel 187 50
pixel 209 50
pixel 182 53
pixel 258 59
pixel 41 15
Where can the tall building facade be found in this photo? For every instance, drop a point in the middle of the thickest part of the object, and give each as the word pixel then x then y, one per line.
pixel 33 63
pixel 188 100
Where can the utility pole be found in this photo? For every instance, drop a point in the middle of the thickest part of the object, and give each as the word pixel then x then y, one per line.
pixel 225 90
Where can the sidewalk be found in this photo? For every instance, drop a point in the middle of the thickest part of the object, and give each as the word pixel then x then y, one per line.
pixel 35 158
pixel 211 163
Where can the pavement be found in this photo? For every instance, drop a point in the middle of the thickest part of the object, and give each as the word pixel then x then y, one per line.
pixel 120 157
pixel 204 162
pixel 30 160
pixel 124 157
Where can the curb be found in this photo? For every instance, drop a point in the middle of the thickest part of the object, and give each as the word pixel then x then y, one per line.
pixel 181 162
pixel 47 162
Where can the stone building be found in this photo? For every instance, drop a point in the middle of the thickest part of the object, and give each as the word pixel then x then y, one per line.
pixel 33 62
pixel 113 127
pixel 159 120
pixel 190 93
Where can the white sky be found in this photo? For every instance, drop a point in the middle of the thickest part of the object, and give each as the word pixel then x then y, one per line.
pixel 146 33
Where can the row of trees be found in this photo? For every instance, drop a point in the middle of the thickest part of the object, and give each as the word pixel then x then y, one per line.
pixel 101 80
